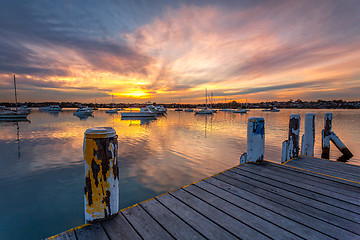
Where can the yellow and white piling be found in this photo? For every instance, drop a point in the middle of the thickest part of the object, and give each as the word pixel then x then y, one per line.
pixel 101 173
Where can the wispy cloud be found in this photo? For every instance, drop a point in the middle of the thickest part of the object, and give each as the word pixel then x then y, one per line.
pixel 237 49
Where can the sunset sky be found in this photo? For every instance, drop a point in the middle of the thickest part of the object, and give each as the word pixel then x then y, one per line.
pixel 69 50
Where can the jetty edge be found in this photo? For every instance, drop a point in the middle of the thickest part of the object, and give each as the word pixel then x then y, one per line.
pixel 305 197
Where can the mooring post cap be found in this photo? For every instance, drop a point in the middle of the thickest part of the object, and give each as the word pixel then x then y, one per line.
pixel 100 132
pixel 256 119
pixel 294 115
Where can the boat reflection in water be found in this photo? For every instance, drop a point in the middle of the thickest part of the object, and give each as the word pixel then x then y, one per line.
pixel 138 120
pixel 15 122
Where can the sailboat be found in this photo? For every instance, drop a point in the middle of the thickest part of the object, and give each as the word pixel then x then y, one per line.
pixel 113 110
pixel 14 114
pixel 205 110
pixel 179 109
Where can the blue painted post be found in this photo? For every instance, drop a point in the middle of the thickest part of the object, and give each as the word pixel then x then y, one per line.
pixel 293 141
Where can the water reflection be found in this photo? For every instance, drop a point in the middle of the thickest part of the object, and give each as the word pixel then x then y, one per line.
pixel 138 120
pixel 155 156
pixel 15 122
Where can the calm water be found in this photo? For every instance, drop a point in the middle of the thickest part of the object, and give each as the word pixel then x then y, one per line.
pixel 42 174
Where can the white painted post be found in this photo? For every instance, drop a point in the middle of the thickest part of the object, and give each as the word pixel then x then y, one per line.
pixel 255 140
pixel 326 136
pixel 101 173
pixel 308 140
pixel 293 141
pixel 285 151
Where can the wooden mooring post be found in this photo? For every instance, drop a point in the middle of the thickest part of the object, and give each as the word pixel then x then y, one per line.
pixel 101 174
pixel 328 135
pixel 325 140
pixel 290 147
pixel 308 138
pixel 255 141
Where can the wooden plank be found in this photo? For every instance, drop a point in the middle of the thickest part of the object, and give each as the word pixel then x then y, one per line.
pixel 352 172
pixel 299 190
pixel 296 179
pixel 346 185
pixel 93 231
pixel 172 223
pixel 227 191
pixel 272 194
pixel 119 228
pixel 324 171
pixel 355 169
pixel 281 189
pixel 266 227
pixel 203 225
pixel 231 224
pixel 68 235
pixel 306 220
pixel 144 224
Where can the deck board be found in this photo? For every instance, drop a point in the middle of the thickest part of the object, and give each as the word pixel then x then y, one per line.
pixel 296 180
pixel 327 167
pixel 144 224
pixel 305 198
pixel 172 223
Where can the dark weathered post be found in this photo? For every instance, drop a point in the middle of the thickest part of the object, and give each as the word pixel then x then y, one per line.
pixel 294 131
pixel 326 136
pixel 101 173
pixel 290 147
pixel 308 138
pixel 255 140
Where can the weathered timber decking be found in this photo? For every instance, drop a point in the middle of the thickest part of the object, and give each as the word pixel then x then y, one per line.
pixel 307 198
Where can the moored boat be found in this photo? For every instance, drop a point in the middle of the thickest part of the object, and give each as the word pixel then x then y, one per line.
pixel 13 114
pixel 144 112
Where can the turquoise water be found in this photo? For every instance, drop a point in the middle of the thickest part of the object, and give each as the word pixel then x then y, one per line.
pixel 42 172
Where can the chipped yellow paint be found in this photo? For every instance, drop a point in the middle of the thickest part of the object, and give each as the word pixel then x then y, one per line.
pixel 98 206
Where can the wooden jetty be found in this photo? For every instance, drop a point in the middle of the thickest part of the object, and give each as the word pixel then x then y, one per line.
pixel 302 198
pixel 307 198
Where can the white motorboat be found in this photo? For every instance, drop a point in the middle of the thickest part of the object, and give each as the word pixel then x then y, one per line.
pixel 275 110
pixel 51 108
pixel 83 111
pixel 161 109
pixel 13 114
pixel 240 110
pixel 114 110
pixel 144 112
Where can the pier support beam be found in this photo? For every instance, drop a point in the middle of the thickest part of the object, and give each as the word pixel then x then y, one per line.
pixel 290 147
pixel 101 173
pixel 255 141
pixel 326 136
pixel 308 138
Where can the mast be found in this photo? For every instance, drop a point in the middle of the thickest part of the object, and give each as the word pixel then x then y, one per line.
pixel 15 93
pixel 206 97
